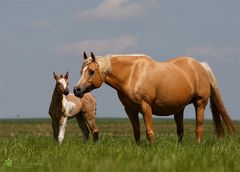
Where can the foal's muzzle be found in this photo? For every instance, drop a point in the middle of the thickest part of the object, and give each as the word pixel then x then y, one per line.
pixel 66 92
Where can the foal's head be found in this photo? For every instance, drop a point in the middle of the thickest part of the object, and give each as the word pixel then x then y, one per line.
pixel 90 76
pixel 62 83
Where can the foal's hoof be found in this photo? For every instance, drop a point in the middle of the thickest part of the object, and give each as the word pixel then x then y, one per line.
pixel 138 142
pixel 95 136
pixel 60 140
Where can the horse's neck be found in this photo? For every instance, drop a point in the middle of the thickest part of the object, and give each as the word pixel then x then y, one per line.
pixel 120 73
pixel 57 98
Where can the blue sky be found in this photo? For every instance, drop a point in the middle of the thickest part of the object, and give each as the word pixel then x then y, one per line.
pixel 39 37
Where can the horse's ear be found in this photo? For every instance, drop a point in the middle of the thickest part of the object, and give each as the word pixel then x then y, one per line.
pixel 66 75
pixel 56 77
pixel 85 55
pixel 93 57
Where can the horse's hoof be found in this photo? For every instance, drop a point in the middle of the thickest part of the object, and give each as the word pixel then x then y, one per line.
pixel 60 140
pixel 95 136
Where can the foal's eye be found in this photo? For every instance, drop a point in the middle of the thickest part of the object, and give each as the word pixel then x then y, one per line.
pixel 91 72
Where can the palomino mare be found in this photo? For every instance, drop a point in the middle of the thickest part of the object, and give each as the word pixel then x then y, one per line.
pixel 160 88
pixel 65 106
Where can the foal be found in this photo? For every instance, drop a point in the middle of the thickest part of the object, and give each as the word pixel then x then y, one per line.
pixel 65 106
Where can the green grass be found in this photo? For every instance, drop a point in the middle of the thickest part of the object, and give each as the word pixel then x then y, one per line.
pixel 27 145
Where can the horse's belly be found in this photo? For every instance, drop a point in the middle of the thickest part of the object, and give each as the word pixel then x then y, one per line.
pixel 171 97
pixel 169 108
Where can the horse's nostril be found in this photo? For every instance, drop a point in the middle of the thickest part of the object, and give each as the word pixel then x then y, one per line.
pixel 77 92
pixel 76 89
pixel 66 92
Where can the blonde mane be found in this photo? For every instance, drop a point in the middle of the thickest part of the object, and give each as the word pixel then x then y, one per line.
pixel 104 62
pixel 131 55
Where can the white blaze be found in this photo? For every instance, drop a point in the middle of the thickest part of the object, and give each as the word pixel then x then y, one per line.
pixel 84 69
pixel 63 82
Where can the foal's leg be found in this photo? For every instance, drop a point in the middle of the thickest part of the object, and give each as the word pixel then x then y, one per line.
pixel 91 121
pixel 178 117
pixel 62 126
pixel 147 116
pixel 55 127
pixel 82 125
pixel 200 108
pixel 134 119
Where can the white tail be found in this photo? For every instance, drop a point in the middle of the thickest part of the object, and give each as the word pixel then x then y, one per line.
pixel 213 79
pixel 219 112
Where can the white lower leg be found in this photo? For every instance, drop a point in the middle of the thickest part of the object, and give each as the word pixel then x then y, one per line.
pixel 62 130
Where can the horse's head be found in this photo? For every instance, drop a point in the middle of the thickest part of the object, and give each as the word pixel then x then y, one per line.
pixel 62 83
pixel 90 76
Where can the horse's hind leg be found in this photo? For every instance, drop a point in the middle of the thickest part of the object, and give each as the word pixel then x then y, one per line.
pixel 200 108
pixel 91 121
pixel 82 125
pixel 178 117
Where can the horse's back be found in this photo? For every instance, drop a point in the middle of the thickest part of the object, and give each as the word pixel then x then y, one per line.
pixel 196 74
pixel 86 99
pixel 176 82
pixel 72 98
pixel 187 66
pixel 168 86
pixel 84 104
pixel 89 102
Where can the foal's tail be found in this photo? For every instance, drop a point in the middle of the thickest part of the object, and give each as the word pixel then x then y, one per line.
pixel 219 112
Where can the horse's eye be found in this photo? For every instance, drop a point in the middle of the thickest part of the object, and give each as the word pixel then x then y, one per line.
pixel 91 72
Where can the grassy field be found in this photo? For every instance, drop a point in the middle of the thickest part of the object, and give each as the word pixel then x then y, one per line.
pixel 27 145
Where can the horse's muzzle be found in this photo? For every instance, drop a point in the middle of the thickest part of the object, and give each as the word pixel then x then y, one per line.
pixel 78 92
pixel 66 92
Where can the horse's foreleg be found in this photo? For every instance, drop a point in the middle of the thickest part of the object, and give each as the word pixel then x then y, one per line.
pixel 91 121
pixel 82 125
pixel 134 119
pixel 55 127
pixel 147 116
pixel 179 122
pixel 62 126
pixel 200 108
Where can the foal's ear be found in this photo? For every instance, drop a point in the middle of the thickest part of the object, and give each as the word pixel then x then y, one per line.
pixel 66 75
pixel 93 57
pixel 56 76
pixel 85 55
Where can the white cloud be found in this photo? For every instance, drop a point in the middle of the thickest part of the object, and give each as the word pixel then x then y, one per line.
pixel 42 24
pixel 117 9
pixel 223 53
pixel 118 45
